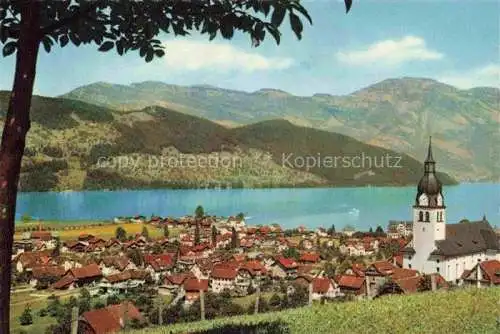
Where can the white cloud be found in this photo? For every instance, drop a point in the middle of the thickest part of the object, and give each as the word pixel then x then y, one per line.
pixel 390 53
pixel 196 55
pixel 486 76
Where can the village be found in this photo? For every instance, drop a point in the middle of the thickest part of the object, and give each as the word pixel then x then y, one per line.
pixel 211 267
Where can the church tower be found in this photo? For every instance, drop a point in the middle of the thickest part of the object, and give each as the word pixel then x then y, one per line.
pixel 429 211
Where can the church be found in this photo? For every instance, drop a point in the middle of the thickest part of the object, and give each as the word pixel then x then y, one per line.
pixel 437 247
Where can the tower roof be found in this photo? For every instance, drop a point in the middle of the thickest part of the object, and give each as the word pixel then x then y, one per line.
pixel 430 158
pixel 429 183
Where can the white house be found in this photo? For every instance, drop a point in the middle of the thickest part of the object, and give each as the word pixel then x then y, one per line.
pixel 223 277
pixel 448 249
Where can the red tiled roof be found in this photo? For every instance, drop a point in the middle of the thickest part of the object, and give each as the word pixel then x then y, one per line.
pixel 409 284
pixel 350 281
pixel 358 269
pixel 287 263
pixel 89 271
pixel 321 285
pixel 178 279
pixel 491 270
pixel 224 272
pixel 127 275
pixel 254 266
pixel 383 267
pixel 42 235
pixel 64 282
pixel 107 320
pixel 400 273
pixel 48 271
pixel 310 257
pixel 195 285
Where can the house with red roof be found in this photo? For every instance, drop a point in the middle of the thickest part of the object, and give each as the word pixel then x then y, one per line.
pixel 76 277
pixel 123 281
pixel 175 281
pixel 111 319
pixel 485 273
pixel 324 287
pixel 309 258
pixel 351 285
pixel 192 288
pixel 111 265
pixel 284 267
pixel 48 274
pixel 25 261
pixel 223 276
pixel 357 269
pixel 159 265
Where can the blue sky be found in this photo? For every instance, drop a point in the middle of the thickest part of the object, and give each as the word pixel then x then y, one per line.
pixel 456 42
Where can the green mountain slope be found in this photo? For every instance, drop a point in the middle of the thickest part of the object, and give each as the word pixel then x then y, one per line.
pixel 398 114
pixel 75 145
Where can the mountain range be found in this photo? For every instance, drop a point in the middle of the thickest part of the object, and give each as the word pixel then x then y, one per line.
pixel 395 114
pixel 75 145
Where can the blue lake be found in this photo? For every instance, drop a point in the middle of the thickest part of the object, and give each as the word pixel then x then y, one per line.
pixel 359 207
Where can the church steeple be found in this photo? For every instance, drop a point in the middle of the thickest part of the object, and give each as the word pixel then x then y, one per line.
pixel 429 184
pixel 430 164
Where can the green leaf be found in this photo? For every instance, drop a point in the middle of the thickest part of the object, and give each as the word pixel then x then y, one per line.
pixel 298 7
pixel 75 39
pixel 296 25
pixel 143 51
pixel 149 55
pixel 159 53
pixel 64 40
pixel 275 33
pixel 226 28
pixel 278 16
pixel 119 47
pixel 9 48
pixel 47 43
pixel 106 46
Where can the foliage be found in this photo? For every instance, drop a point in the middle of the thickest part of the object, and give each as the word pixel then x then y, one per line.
pixel 145 232
pixel 53 151
pixel 214 235
pixel 113 300
pixel 121 234
pixel 331 230
pixel 234 239
pixel 26 317
pixel 166 233
pixel 26 218
pixel 291 253
pixel 136 257
pixel 329 269
pixel 197 236
pixel 425 283
pixel 199 212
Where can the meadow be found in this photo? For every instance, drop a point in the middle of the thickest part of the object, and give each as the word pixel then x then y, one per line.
pixel 460 311
pixel 71 230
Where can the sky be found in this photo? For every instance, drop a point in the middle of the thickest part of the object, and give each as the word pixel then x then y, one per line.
pixel 456 42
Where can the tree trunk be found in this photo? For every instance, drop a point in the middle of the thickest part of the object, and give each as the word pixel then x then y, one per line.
pixel 16 126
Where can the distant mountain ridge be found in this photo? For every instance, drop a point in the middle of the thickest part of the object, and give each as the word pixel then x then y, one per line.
pixel 398 114
pixel 73 145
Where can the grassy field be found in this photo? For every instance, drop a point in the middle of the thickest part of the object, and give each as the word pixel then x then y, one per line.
pixel 36 300
pixel 105 230
pixel 462 311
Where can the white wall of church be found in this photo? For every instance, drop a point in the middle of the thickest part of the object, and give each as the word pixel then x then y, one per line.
pixel 452 268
